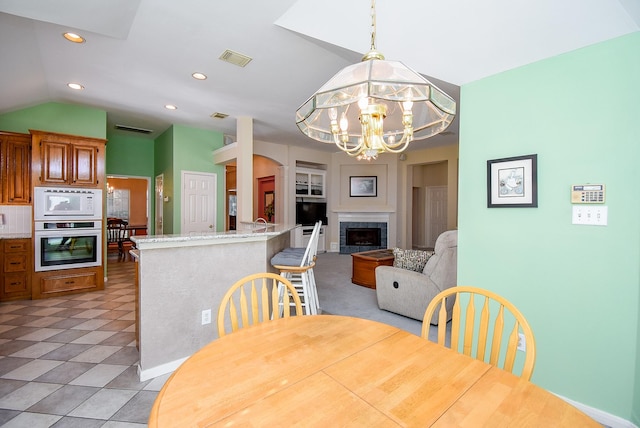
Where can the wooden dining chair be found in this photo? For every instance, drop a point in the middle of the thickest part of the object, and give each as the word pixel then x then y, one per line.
pixel 498 327
pixel 255 299
pixel 115 230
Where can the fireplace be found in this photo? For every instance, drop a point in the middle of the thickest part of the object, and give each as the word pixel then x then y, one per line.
pixel 356 236
pixel 363 236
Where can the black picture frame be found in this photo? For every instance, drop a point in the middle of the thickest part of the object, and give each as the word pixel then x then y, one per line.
pixel 513 182
pixel 363 186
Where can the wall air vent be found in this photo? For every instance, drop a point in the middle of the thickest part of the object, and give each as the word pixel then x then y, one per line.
pixel 133 129
pixel 235 58
pixel 218 115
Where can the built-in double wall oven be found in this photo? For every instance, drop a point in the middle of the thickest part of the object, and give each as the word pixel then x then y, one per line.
pixel 67 228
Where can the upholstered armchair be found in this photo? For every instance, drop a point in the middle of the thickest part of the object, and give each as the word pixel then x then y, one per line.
pixel 408 292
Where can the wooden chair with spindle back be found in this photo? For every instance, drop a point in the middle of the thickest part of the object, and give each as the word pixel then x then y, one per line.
pixel 255 299
pixel 493 325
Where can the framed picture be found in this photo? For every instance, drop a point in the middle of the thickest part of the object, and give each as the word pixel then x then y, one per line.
pixel 363 186
pixel 512 182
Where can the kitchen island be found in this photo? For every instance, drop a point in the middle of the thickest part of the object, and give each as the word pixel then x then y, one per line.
pixel 181 280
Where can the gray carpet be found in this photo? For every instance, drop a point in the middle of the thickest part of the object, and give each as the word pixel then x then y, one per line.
pixel 339 296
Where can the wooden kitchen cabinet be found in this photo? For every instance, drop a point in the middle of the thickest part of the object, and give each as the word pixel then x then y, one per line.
pixel 15 168
pixel 60 159
pixel 16 269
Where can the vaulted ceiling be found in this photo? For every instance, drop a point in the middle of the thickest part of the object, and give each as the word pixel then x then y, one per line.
pixel 139 55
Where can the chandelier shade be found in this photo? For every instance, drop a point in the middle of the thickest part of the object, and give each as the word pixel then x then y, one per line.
pixel 375 106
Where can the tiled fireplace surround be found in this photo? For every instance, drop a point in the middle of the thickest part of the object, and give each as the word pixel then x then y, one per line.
pixel 362 220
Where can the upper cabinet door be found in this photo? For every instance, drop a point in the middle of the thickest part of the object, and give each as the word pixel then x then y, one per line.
pixel 54 162
pixel 15 151
pixel 84 170
pixel 68 160
pixel 18 181
pixel 310 183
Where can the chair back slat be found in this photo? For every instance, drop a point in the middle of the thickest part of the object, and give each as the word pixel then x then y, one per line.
pixel 468 327
pixel 455 324
pixel 244 308
pixel 512 347
pixel 442 318
pixel 503 329
pixel 259 300
pixel 483 330
pixel 233 314
pixel 496 341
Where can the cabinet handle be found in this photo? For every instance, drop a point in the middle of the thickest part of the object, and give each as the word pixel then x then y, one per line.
pixel 15 263
pixel 69 282
pixel 15 283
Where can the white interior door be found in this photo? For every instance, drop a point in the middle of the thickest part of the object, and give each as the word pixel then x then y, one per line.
pixel 159 190
pixel 198 202
pixel 436 213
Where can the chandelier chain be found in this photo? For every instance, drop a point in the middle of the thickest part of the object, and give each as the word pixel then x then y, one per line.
pixel 373 25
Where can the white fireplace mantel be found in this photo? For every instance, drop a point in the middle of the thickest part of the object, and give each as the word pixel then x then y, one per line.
pixel 363 217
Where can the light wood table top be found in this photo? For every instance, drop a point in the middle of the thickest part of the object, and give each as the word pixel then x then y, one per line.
pixel 327 370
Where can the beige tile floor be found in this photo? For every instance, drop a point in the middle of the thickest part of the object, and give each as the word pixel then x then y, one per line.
pixel 71 361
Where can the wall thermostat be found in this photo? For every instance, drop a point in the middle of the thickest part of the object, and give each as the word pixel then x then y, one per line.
pixel 587 194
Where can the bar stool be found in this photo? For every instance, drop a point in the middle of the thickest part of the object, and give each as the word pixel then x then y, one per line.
pixel 296 265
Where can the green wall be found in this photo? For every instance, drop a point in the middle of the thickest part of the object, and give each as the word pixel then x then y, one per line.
pixel 577 285
pixel 133 156
pixel 57 117
pixel 193 151
pixel 163 164
pixel 187 149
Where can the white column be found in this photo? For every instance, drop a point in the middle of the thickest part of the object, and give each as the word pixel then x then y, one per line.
pixel 244 173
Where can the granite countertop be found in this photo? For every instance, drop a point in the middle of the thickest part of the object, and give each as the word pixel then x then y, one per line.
pixel 261 230
pixel 20 235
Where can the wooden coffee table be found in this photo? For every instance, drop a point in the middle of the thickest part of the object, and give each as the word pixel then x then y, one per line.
pixel 365 264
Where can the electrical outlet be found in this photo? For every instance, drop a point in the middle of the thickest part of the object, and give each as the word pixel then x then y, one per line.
pixel 522 343
pixel 206 316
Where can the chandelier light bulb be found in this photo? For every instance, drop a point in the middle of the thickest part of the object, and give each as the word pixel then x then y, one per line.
pixel 344 123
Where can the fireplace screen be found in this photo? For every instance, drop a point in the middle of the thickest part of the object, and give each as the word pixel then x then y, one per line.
pixel 363 236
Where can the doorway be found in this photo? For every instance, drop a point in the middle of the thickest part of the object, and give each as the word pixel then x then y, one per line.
pixel 128 198
pixel 266 198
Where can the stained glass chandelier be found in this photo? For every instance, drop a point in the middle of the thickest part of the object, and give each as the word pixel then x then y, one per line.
pixel 375 106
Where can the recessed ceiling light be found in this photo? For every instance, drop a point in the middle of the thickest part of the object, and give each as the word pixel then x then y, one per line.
pixel 170 107
pixel 199 76
pixel 76 86
pixel 73 37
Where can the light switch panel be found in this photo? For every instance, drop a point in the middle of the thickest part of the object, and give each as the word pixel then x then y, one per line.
pixel 589 215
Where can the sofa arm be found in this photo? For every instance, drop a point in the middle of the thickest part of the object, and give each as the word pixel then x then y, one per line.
pixel 404 292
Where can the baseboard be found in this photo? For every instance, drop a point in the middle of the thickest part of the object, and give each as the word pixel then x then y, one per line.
pixel 160 370
pixel 601 416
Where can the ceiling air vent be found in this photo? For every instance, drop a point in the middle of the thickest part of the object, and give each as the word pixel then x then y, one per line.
pixel 235 58
pixel 217 115
pixel 133 129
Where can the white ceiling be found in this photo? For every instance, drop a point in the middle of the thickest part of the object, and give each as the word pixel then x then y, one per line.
pixel 140 54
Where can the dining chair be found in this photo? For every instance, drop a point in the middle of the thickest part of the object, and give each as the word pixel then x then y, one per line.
pixel 498 326
pixel 296 264
pixel 255 299
pixel 115 230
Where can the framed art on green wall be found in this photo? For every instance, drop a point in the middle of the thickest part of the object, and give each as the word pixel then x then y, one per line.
pixel 512 182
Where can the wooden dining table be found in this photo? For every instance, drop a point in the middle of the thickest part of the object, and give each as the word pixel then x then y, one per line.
pixel 327 370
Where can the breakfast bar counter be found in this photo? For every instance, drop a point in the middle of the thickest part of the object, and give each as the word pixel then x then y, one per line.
pixel 181 280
